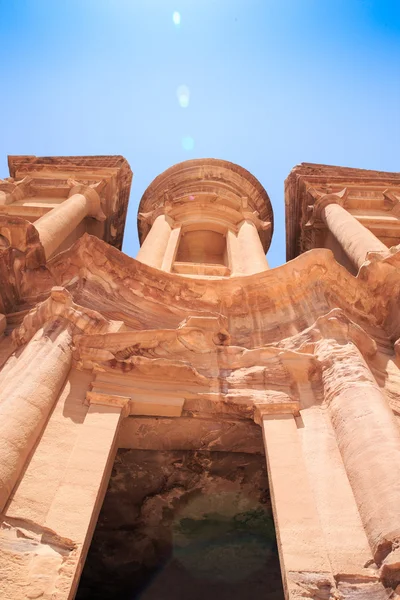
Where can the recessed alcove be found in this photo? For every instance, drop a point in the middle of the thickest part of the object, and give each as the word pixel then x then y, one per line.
pixel 183 525
pixel 202 252
pixel 202 246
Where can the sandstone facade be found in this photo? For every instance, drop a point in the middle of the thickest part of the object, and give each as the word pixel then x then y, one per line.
pixel 197 346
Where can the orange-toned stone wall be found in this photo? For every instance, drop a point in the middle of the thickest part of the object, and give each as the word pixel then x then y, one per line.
pixel 100 351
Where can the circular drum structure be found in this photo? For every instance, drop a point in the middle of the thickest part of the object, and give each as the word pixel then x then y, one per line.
pixel 203 199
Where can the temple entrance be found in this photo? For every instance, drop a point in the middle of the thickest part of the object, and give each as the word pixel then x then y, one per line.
pixel 184 525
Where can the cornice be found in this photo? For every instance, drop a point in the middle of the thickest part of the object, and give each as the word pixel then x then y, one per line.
pixel 21 163
pixel 262 307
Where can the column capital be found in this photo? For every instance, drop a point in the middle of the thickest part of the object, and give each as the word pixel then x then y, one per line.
pixel 11 190
pixel 106 399
pixel 150 217
pixel 61 304
pixel 254 218
pixel 334 326
pixel 321 200
pixel 391 199
pixel 91 193
pixel 275 404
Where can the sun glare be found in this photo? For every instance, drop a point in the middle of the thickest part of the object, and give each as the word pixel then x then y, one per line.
pixel 176 17
pixel 183 95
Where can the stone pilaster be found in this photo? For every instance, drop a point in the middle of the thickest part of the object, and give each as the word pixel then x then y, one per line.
pixel 303 557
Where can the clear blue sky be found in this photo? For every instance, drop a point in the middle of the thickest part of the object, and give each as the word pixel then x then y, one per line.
pixel 272 83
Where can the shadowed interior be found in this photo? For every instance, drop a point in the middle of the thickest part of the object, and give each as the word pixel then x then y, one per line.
pixel 184 524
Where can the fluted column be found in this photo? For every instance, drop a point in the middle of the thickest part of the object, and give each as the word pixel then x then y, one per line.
pixel 155 245
pixel 30 391
pixel 55 226
pixel 250 248
pixel 369 441
pixel 355 239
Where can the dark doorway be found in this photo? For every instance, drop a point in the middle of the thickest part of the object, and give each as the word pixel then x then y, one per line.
pixel 184 526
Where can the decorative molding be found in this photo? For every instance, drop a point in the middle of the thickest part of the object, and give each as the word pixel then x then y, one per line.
pixel 392 201
pixel 10 191
pixel 198 335
pixel 148 403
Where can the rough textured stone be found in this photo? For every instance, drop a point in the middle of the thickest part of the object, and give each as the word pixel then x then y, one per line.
pixel 197 346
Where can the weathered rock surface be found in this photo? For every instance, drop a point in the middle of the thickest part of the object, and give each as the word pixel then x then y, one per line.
pixel 197 360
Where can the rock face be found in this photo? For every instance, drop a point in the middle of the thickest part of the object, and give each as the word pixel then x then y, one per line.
pixel 177 525
pixel 195 364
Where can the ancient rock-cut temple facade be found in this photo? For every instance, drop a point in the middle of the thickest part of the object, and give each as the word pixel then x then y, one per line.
pixel 191 362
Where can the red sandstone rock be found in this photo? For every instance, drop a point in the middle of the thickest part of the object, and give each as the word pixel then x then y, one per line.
pixel 191 344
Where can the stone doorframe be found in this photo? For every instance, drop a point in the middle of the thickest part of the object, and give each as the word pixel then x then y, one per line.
pixel 331 351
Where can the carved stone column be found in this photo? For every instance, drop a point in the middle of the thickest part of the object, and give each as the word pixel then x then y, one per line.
pixel 252 253
pixel 31 388
pixel 355 239
pixel 369 442
pixel 235 254
pixel 155 245
pixel 171 250
pixel 55 226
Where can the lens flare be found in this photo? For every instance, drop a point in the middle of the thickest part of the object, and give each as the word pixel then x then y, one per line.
pixel 187 143
pixel 183 95
pixel 176 18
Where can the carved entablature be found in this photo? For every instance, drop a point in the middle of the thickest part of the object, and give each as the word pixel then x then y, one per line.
pixel 207 193
pixel 368 195
pixel 191 212
pixel 193 368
